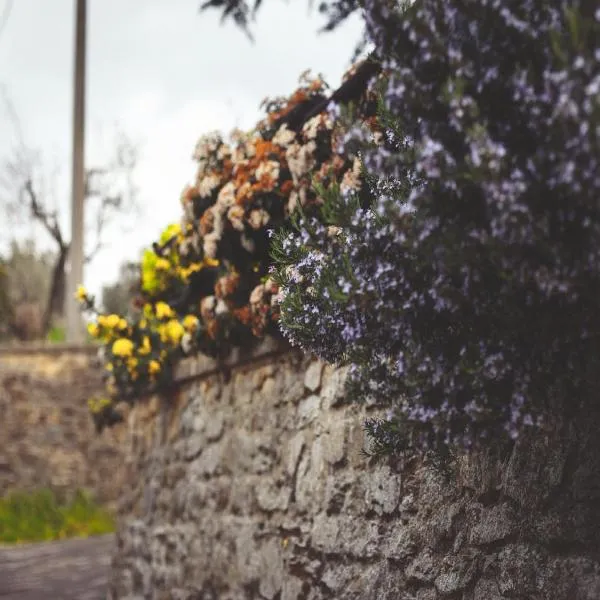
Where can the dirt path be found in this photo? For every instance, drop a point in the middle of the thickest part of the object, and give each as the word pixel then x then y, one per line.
pixel 66 570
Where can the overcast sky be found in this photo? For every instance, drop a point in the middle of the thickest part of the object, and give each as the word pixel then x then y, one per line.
pixel 161 72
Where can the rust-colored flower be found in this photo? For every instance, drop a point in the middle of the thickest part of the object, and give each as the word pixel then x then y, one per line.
pixel 207 221
pixel 243 314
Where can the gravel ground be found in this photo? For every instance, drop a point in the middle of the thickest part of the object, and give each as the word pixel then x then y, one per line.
pixel 66 570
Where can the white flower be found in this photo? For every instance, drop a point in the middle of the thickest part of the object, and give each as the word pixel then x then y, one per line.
pixel 300 159
pixel 284 136
pixel 257 294
pixel 312 126
pixel 249 149
pixel 258 218
pixel 351 179
pixel 236 217
pixel 188 212
pixel 224 151
pixel 270 285
pixel 210 245
pixel 221 308
pixel 268 167
pixel 207 145
pixel 207 304
pixel 207 184
pixel 238 156
pixel 187 343
pixel 226 196
pixel 333 231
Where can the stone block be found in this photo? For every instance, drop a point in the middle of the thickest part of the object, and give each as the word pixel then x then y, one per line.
pixel 493 524
pixel 334 441
pixel 382 493
pixel 312 378
pixel 424 568
pixel 308 410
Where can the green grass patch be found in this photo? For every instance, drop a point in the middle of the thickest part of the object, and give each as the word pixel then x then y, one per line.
pixel 38 516
pixel 57 335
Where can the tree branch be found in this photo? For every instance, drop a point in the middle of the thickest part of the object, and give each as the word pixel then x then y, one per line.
pixel 47 219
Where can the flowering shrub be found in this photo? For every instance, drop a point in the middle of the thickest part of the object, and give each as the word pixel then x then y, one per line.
pixel 206 285
pixel 465 298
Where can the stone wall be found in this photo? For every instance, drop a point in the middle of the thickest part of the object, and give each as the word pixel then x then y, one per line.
pixel 253 485
pixel 47 437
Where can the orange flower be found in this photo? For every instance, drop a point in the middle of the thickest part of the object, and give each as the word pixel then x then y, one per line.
pixel 263 149
pixel 241 177
pixel 227 168
pixel 244 193
pixel 243 315
pixel 286 187
pixel 207 221
pixel 211 328
pixel 188 193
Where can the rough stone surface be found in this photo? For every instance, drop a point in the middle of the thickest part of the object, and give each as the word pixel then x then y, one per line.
pixel 47 437
pixel 256 487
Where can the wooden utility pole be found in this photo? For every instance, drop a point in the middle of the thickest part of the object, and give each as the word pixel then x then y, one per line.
pixel 76 256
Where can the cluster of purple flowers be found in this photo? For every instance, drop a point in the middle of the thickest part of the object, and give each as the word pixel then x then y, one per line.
pixel 465 297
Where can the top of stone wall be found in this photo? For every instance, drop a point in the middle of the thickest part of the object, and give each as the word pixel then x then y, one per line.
pixel 200 366
pixel 27 348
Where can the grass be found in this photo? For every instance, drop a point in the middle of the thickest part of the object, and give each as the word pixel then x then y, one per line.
pixel 38 516
pixel 56 335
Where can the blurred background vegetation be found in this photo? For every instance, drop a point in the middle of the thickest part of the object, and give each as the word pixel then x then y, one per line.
pixel 40 516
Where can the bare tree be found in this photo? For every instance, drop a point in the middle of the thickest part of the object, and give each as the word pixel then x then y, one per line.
pixel 28 194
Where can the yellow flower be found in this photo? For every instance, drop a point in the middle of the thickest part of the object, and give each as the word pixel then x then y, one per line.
pixel 163 310
pixel 162 331
pixel 153 367
pixel 97 404
pixel 109 321
pixel 109 367
pixel 145 348
pixel 143 324
pixel 190 323
pixel 93 329
pixel 122 324
pixel 132 363
pixel 171 231
pixel 175 331
pixel 210 262
pixel 122 347
pixel 81 294
pixel 162 264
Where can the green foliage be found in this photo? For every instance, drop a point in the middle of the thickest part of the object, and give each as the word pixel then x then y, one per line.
pixel 38 516
pixel 56 334
pixel 29 272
